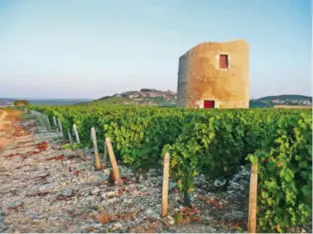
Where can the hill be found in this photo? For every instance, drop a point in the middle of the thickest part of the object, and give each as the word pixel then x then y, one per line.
pixel 286 99
pixel 143 97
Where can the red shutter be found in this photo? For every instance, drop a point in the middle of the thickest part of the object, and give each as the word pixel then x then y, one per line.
pixel 223 61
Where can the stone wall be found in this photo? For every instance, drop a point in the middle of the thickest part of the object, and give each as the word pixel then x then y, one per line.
pixel 201 78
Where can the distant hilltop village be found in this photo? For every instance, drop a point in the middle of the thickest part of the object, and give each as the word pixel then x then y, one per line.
pixel 286 100
pixel 292 102
pixel 145 97
pixel 169 95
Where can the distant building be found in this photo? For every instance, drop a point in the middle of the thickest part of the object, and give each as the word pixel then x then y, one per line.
pixel 214 75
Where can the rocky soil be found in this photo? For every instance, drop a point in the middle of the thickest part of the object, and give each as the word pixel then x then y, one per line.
pixel 46 188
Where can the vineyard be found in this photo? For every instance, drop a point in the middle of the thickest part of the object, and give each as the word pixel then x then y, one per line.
pixel 214 143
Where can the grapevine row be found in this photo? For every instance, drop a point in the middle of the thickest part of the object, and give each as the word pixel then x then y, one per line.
pixel 214 143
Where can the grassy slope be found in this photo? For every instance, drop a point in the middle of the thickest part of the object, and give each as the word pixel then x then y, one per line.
pixel 112 101
pixel 157 101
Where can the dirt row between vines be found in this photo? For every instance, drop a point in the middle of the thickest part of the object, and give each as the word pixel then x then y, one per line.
pixel 46 188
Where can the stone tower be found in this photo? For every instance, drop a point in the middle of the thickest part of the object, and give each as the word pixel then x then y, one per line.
pixel 214 75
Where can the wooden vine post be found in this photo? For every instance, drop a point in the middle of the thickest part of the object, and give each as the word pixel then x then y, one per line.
pixel 70 138
pixel 112 159
pixel 48 122
pixel 253 199
pixel 50 125
pixel 76 134
pixel 55 123
pixel 165 184
pixel 95 146
pixel 42 121
pixel 60 126
pixel 105 155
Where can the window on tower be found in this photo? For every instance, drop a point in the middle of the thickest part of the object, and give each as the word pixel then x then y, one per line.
pixel 223 61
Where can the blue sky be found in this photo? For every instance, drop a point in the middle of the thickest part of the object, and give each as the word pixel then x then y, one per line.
pixel 80 48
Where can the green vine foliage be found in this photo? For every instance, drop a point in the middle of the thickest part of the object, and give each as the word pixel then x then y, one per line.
pixel 215 143
pixel 285 175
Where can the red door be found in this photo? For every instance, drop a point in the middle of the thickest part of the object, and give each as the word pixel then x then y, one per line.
pixel 208 104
